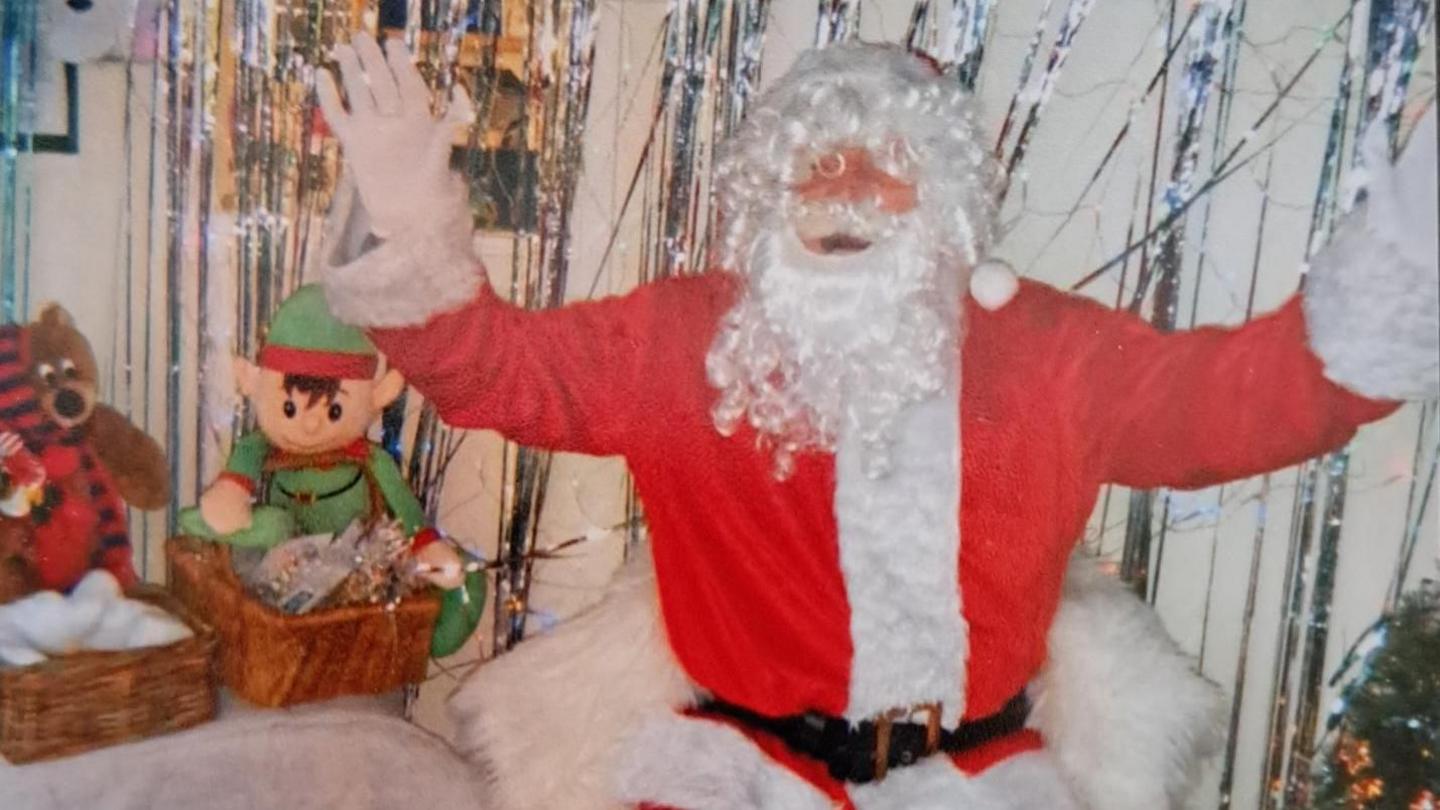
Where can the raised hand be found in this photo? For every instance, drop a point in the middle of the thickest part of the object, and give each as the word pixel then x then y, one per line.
pixel 396 149
pixel 1372 304
pixel 399 188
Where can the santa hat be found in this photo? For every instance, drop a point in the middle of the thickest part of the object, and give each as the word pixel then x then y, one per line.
pixel 306 339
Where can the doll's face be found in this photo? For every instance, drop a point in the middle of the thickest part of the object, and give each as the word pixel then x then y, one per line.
pixel 308 415
pixel 62 368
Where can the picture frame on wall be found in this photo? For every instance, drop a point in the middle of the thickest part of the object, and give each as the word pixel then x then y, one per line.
pixel 57 124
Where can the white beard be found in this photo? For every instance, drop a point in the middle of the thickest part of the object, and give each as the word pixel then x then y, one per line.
pixel 824 344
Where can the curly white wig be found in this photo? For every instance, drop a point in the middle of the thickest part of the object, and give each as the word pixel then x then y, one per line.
pixel 818 345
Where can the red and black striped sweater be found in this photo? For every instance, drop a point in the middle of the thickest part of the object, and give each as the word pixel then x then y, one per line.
pixel 82 522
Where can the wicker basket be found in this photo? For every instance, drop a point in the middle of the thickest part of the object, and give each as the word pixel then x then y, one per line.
pixel 273 659
pixel 79 702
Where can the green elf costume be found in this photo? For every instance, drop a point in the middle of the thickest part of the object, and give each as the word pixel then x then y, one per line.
pixel 315 393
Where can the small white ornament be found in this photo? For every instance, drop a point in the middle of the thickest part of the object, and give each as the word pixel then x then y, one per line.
pixel 115 627
pixel 157 629
pixel 52 624
pixel 993 284
pixel 14 650
pixel 98 585
pixel 95 616
pixel 20 655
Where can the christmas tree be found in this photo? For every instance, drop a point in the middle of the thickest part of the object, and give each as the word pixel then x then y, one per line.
pixel 1386 754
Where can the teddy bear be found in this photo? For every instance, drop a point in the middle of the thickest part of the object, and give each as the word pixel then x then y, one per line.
pixel 70 463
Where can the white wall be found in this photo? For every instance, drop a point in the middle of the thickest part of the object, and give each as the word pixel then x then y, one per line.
pixel 80 239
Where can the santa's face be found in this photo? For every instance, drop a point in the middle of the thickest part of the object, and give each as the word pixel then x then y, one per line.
pixel 854 199
pixel 846 321
pixel 844 202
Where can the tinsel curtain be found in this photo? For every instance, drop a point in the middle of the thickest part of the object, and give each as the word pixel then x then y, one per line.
pixel 233 172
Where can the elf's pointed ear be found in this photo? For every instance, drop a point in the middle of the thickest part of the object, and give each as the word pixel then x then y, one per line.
pixel 386 389
pixel 247 376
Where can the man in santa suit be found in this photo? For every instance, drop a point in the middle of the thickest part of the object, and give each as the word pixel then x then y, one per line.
pixel 863 485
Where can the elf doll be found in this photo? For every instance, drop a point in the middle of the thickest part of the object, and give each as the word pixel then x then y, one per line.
pixel 315 394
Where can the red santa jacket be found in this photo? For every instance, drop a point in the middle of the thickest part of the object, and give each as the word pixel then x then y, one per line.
pixel 1060 395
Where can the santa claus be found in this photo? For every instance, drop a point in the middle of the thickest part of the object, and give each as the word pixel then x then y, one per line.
pixel 863 485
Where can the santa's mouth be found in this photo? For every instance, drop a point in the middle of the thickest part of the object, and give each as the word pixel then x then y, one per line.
pixel 838 243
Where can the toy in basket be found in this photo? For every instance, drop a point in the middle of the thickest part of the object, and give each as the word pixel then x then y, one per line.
pixel 88 658
pixel 69 464
pixel 322 486
pixel 97 667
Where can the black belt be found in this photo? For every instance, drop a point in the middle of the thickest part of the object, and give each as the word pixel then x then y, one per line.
pixel 305 497
pixel 863 752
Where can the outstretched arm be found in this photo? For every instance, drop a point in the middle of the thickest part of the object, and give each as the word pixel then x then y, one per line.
pixel 575 378
pixel 1201 407
pixel 585 378
pixel 1192 409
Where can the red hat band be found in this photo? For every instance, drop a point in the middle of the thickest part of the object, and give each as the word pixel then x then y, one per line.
pixel 311 363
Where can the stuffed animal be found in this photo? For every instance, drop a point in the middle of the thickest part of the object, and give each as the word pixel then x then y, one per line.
pixel 315 393
pixel 68 464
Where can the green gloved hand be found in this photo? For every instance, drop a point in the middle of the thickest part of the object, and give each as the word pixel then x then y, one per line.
pixel 269 526
pixel 460 611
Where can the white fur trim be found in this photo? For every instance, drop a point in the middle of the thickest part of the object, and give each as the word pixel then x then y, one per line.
pixel 697 764
pixel 1124 716
pixel 899 539
pixel 1119 705
pixel 1372 298
pixel 548 720
pixel 993 284
pixel 403 281
pixel 1026 781
pixel 1402 197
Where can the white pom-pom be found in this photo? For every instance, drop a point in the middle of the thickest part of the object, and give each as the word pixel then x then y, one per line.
pixel 993 284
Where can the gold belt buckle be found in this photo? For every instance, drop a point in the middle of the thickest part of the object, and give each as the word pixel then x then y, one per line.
pixel 884 726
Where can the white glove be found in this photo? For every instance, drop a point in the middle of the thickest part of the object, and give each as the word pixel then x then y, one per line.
pixel 396 150
pixel 399 188
pixel 1372 299
pixel 1402 198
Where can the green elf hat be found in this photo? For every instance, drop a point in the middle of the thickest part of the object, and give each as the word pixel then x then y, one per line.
pixel 304 338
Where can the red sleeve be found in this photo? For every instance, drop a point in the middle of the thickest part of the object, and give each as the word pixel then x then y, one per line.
pixel 576 378
pixel 1201 407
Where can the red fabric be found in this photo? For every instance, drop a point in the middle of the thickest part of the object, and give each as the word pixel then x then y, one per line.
pixel 245 481
pixel 23 468
pixel 313 363
pixel 113 525
pixel 423 538
pixel 88 526
pixel 63 552
pixel 1060 395
pixel 60 460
